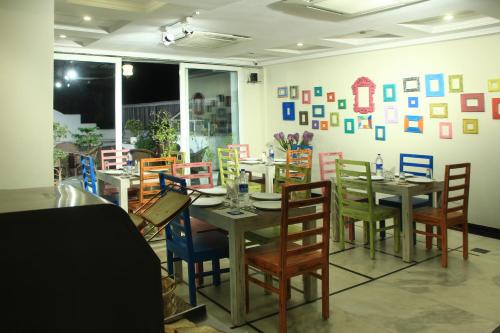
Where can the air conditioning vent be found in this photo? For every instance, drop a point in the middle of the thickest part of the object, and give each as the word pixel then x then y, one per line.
pixel 209 40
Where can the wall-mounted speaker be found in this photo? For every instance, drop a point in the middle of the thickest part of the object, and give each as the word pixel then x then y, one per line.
pixel 254 78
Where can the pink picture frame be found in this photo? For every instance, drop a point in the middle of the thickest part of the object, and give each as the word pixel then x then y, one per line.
pixel 479 102
pixel 445 130
pixel 363 82
pixel 495 108
pixel 306 96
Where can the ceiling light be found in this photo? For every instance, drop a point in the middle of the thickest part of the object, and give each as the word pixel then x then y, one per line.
pixel 197 12
pixel 300 44
pixel 87 18
pixel 58 84
pixel 128 70
pixel 71 74
pixel 448 17
pixel 62 36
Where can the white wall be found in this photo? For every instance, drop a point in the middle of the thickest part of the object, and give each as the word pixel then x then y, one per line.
pixel 26 68
pixel 476 59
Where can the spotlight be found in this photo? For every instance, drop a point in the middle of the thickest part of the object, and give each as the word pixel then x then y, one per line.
pixel 58 84
pixel 62 36
pixel 300 44
pixel 87 18
pixel 448 17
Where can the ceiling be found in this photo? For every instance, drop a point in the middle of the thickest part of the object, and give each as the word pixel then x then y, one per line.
pixel 259 32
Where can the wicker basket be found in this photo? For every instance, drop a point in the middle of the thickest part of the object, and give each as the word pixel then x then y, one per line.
pixel 169 303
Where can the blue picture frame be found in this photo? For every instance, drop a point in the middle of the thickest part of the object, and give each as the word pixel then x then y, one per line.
pixel 380 133
pixel 315 124
pixel 318 111
pixel 413 102
pixel 429 78
pixel 318 91
pixel 349 126
pixel 389 92
pixel 288 109
pixel 419 128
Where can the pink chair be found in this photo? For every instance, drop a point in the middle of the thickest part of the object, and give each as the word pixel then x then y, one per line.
pixel 243 149
pixel 181 168
pixel 327 170
pixel 113 158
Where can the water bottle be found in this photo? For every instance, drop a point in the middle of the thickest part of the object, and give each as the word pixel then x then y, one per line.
pixel 243 187
pixel 270 156
pixel 379 166
pixel 130 163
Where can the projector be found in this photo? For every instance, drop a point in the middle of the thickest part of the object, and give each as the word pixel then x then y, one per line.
pixel 176 32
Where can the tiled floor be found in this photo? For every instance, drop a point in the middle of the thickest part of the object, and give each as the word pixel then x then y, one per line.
pixel 382 295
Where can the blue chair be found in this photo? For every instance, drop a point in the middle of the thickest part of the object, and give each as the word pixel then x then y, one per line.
pixel 89 180
pixel 416 165
pixel 189 247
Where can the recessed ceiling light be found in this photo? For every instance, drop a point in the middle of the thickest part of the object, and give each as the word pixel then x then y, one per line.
pixel 197 12
pixel 448 17
pixel 62 36
pixel 300 44
pixel 87 18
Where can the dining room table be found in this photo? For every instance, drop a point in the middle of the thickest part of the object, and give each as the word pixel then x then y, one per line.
pixel 265 168
pixel 406 190
pixel 118 179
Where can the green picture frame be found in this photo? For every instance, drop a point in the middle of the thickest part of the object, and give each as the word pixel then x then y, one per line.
pixel 342 104
pixel 334 119
pixel 455 83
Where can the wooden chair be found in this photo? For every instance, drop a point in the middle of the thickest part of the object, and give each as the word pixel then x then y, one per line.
pixel 113 158
pixel 297 253
pixel 229 163
pixel 149 182
pixel 194 248
pixel 416 165
pixel 350 195
pixel 243 149
pixel 139 154
pixel 295 147
pixel 88 174
pixel 453 213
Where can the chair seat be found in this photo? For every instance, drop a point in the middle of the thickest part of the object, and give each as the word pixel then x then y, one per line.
pixel 206 246
pixel 432 215
pixel 267 257
pixel 379 213
pixel 395 201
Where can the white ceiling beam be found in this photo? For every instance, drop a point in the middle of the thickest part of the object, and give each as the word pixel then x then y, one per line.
pixel 67 27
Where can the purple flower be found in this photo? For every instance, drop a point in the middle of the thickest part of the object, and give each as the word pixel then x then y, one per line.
pixel 290 137
pixel 296 137
pixel 279 136
pixel 307 137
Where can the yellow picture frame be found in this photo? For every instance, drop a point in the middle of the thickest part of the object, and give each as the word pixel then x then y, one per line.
pixel 438 110
pixel 494 85
pixel 470 126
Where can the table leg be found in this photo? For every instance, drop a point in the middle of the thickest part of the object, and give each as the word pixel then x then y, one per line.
pixel 269 178
pixel 123 193
pixel 237 276
pixel 407 213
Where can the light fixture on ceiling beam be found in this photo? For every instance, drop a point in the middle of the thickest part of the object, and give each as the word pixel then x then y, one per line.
pixel 300 44
pixel 87 18
pixel 448 17
pixel 62 36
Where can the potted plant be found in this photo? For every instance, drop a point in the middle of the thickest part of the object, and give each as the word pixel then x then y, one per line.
pixel 165 133
pixel 135 127
pixel 293 139
pixel 88 138
pixel 59 132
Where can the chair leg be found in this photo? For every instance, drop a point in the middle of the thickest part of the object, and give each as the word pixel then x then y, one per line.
pixel 341 232
pixel 199 269
pixel 170 262
pixel 382 225
pixel 192 283
pixel 289 289
pixel 325 292
pixel 465 240
pixel 216 272
pixel 428 239
pixel 282 304
pixel 372 239
pixel 268 279
pixel 247 299
pixel 352 233
pixel 444 247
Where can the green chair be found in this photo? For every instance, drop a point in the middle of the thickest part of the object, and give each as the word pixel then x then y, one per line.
pixel 229 164
pixel 350 190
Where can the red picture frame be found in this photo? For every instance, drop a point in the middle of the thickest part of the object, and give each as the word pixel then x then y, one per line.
pixel 475 108
pixel 495 108
pixel 330 97
pixel 306 96
pixel 363 82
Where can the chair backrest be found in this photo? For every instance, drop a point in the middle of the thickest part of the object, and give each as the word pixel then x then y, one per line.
pixel 296 147
pixel 139 154
pixel 290 215
pixel 194 173
pixel 456 190
pixel 299 157
pixel 88 173
pixel 150 184
pixel 286 174
pixel 355 196
pixel 416 164
pixel 243 149
pixel 229 163
pixel 327 164
pixel 113 158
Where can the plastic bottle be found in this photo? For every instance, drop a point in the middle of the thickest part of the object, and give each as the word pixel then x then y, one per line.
pixel 130 163
pixel 243 186
pixel 379 165
pixel 270 156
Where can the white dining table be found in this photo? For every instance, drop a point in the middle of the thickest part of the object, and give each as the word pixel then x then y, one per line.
pixel 118 180
pixel 263 169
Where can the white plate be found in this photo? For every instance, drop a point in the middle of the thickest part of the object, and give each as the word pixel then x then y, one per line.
pixel 420 180
pixel 214 190
pixel 265 196
pixel 208 201
pixel 250 159
pixel 114 172
pixel 373 177
pixel 407 175
pixel 267 205
pixel 250 162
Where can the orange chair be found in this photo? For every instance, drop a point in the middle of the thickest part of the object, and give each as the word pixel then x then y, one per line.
pixel 243 149
pixel 453 213
pixel 113 158
pixel 293 256
pixel 299 157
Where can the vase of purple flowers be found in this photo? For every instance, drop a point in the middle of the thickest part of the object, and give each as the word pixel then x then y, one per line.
pixel 286 142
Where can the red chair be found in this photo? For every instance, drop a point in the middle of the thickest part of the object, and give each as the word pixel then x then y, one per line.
pixel 113 158
pixel 243 149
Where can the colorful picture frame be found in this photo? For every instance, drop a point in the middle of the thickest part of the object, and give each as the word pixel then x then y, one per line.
pixel 315 124
pixel 363 82
pixel 323 125
pixel 318 111
pixel 288 110
pixel 341 104
pixel 303 118
pixel 306 96
pixel 389 92
pixel 438 110
pixel 434 85
pixel 470 126
pixel 445 130
pixel 411 84
pixel 414 124
pixel 349 126
pixel 455 83
pixel 330 97
pixel 413 102
pixel 472 102
pixel 334 119
pixel 365 122
pixel 294 92
pixel 495 108
pixel 318 91
pixel 494 85
pixel 380 133
pixel 391 114
pixel 282 92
